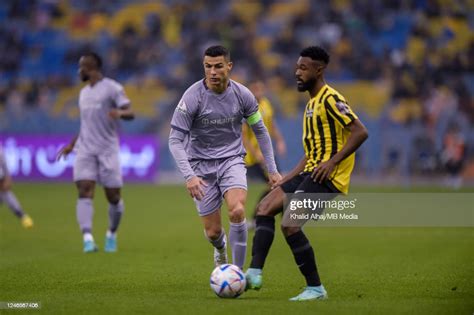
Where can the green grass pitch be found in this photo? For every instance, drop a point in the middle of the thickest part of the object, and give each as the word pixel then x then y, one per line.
pixel 164 262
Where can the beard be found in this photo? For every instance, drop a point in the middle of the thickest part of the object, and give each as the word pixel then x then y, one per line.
pixel 84 77
pixel 305 86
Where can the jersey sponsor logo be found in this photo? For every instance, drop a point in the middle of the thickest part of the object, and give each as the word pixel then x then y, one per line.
pixel 219 121
pixel 342 107
pixel 182 107
pixel 309 112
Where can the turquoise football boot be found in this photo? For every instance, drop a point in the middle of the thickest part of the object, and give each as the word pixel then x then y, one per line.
pixel 311 293
pixel 254 279
pixel 90 247
pixel 110 244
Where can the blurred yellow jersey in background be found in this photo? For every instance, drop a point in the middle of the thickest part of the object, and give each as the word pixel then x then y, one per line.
pixel 266 110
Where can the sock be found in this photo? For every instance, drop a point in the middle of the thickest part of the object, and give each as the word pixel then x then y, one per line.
pixel 10 200
pixel 87 237
pixel 304 258
pixel 219 242
pixel 110 234
pixel 262 240
pixel 238 242
pixel 115 214
pixel 84 213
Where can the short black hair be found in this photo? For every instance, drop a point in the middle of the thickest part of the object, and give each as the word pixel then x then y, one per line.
pixel 216 51
pixel 315 53
pixel 96 57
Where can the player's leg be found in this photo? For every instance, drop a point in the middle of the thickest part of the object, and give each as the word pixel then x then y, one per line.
pixel 267 209
pixel 85 212
pixel 215 234
pixel 85 173
pixel 8 197
pixel 116 209
pixel 232 181
pixel 110 176
pixel 301 248
pixel 235 199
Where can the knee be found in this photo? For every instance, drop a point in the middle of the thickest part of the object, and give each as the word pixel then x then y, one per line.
pixel 289 230
pixel 237 213
pixel 213 233
pixel 86 191
pixel 263 208
pixel 113 198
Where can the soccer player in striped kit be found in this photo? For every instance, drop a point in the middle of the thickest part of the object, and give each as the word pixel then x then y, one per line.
pixel 331 135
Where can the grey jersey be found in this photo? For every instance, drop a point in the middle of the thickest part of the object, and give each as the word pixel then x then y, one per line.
pixel 214 121
pixel 98 131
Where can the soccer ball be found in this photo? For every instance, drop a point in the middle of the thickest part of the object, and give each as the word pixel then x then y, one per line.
pixel 228 281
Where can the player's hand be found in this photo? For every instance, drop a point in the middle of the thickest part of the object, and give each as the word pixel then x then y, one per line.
pixel 274 179
pixel 195 187
pixel 323 171
pixel 64 152
pixel 115 113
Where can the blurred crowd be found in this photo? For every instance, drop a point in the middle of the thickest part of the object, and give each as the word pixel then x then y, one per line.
pixel 406 66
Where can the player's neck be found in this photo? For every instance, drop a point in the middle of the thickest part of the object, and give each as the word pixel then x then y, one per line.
pixel 95 78
pixel 317 87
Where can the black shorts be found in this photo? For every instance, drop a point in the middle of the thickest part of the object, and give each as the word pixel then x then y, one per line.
pixel 303 183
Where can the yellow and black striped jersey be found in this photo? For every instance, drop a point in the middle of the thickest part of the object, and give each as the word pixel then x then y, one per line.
pixel 325 120
pixel 266 110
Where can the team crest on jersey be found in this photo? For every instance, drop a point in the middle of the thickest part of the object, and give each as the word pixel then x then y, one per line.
pixel 342 107
pixel 182 107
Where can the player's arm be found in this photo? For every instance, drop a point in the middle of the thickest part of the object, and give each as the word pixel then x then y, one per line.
pixel 265 143
pixel 123 106
pixel 248 146
pixel 64 152
pixel 125 113
pixel 181 124
pixel 358 134
pixel 194 184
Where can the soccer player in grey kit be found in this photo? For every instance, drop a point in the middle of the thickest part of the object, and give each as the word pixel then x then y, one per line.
pixel 8 197
pixel 102 102
pixel 210 116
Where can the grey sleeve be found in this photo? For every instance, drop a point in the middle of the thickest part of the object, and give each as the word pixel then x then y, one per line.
pixel 265 144
pixel 250 103
pixel 175 143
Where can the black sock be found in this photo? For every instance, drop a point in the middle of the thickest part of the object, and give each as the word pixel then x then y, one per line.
pixel 262 240
pixel 304 257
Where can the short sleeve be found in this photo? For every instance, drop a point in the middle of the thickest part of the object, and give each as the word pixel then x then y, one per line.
pixel 339 110
pixel 184 113
pixel 120 98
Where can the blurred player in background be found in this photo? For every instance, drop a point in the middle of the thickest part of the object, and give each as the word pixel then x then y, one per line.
pixel 453 155
pixel 102 102
pixel 210 116
pixel 331 135
pixel 8 197
pixel 254 158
